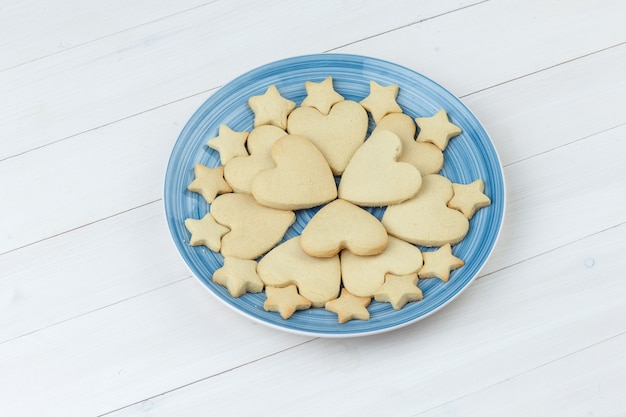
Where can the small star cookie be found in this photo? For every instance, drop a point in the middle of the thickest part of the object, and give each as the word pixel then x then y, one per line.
pixel 321 95
pixel 437 129
pixel 349 307
pixel 271 108
pixel 381 101
pixel 238 276
pixel 206 231
pixel 469 198
pixel 399 290
pixel 209 182
pixel 439 263
pixel 285 300
pixel 229 143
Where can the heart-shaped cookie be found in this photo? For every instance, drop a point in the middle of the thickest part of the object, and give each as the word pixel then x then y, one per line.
pixel 241 170
pixel 337 135
pixel 317 279
pixel 426 219
pixel 426 157
pixel 364 275
pixel 254 229
pixel 374 177
pixel 342 225
pixel 300 179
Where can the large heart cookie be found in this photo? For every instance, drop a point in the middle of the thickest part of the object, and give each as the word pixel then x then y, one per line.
pixel 425 219
pixel 254 229
pixel 337 135
pixel 374 177
pixel 317 279
pixel 342 225
pixel 300 179
pixel 364 275
pixel 241 170
pixel 426 157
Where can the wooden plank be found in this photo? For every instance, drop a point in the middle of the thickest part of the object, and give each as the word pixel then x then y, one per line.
pixel 195 51
pixel 511 323
pixel 31 30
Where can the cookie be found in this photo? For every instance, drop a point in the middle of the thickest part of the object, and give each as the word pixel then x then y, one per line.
pixel 285 301
pixel 374 177
pixel 342 225
pixel 271 108
pixel 321 96
pixel 469 198
pixel 437 129
pixel 301 178
pixel 426 157
pixel 317 279
pixel 206 231
pixel 240 171
pixel 426 219
pixel 364 275
pixel 229 143
pixel 399 290
pixel 439 263
pixel 381 100
pixel 209 182
pixel 337 135
pixel 254 229
pixel 349 307
pixel 238 276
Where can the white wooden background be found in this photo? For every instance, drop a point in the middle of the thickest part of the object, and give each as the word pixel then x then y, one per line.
pixel 100 316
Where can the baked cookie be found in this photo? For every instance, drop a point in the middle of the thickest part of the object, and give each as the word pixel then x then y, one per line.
pixel 437 129
pixel 364 275
pixel 271 108
pixel 254 229
pixel 375 178
pixel 209 182
pixel 337 135
pixel 399 290
pixel 342 225
pixel 439 263
pixel 285 301
pixel 321 96
pixel 238 276
pixel 206 231
pixel 469 198
pixel 229 143
pixel 318 279
pixel 381 100
pixel 301 178
pixel 240 171
pixel 426 157
pixel 349 307
pixel 426 219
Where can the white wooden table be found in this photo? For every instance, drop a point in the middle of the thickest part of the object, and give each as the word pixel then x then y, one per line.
pixel 99 315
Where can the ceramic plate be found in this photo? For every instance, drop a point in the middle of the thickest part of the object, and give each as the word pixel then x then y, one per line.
pixel 469 156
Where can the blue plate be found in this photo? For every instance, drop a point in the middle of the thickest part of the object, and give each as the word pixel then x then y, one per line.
pixel 469 156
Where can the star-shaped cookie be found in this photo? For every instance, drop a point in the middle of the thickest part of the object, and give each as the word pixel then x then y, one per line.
pixel 271 108
pixel 437 129
pixel 206 231
pixel 209 182
pixel 381 100
pixel 349 307
pixel 321 95
pixel 285 300
pixel 229 143
pixel 238 276
pixel 439 263
pixel 399 290
pixel 469 198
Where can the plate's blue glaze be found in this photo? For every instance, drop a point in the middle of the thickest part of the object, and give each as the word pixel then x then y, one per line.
pixel 469 156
